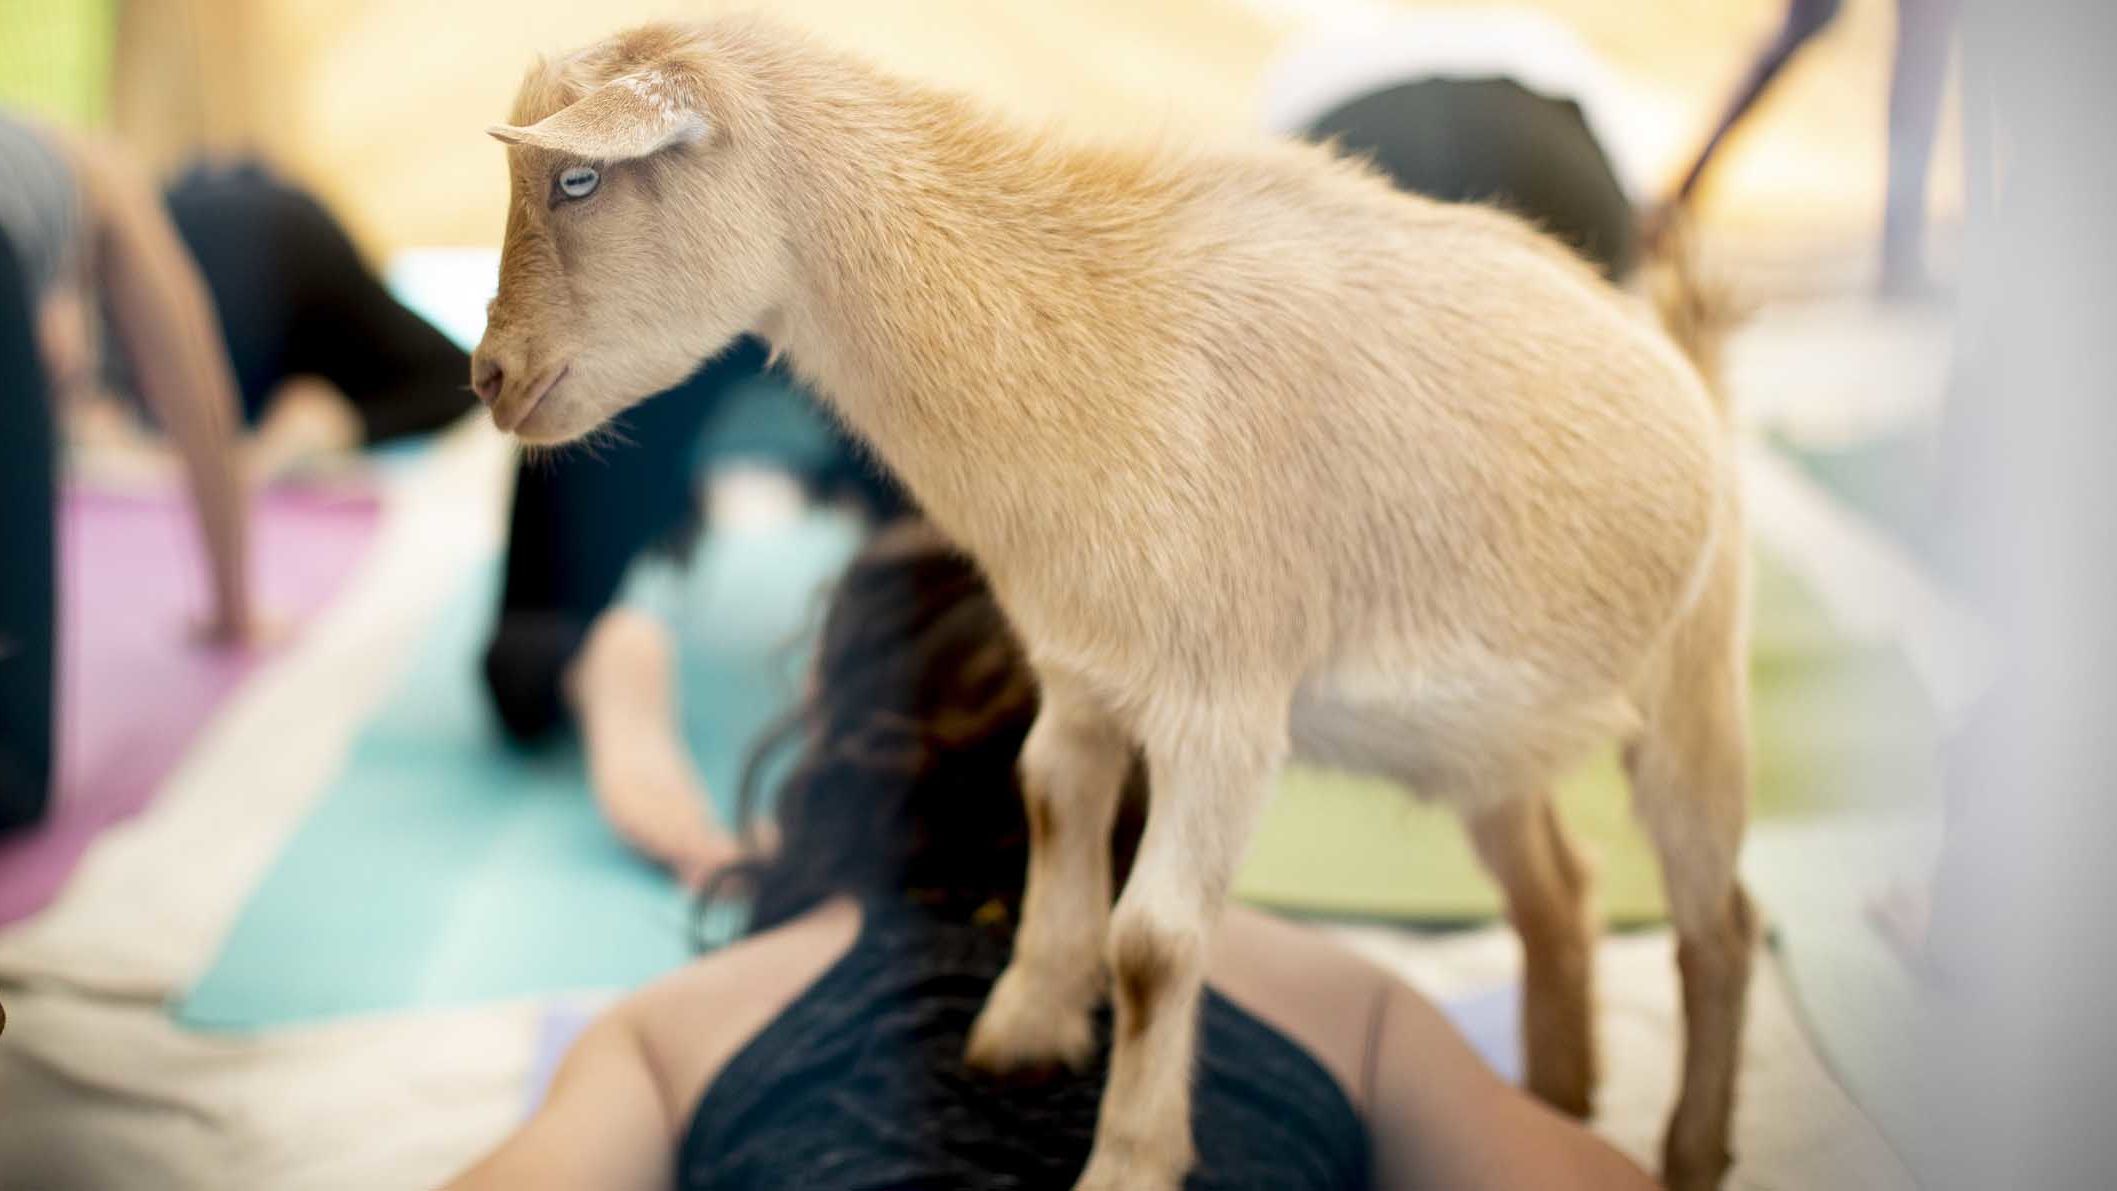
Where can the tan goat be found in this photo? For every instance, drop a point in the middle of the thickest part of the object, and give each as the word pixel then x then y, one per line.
pixel 1260 456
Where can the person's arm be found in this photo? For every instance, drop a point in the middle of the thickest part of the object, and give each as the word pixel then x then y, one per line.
pixel 1439 1117
pixel 603 1123
pixel 624 692
pixel 165 324
pixel 619 1104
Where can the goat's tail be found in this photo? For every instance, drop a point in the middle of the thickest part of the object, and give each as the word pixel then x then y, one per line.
pixel 1699 314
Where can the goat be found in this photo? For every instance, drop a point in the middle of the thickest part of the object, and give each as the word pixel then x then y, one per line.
pixel 1260 456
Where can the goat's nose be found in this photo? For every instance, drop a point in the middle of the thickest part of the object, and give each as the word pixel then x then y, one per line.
pixel 486 375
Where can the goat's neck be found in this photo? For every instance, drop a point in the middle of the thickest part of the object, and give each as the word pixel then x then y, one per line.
pixel 954 288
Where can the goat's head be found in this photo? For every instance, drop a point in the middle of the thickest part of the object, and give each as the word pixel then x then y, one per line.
pixel 641 233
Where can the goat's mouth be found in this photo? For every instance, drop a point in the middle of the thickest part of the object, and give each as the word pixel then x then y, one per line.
pixel 511 419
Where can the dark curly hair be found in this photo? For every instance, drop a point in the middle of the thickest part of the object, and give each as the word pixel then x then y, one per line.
pixel 900 762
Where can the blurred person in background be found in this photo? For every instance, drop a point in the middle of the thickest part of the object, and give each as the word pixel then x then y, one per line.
pixel 1504 105
pixel 1925 34
pixel 1803 21
pixel 79 226
pixel 233 301
pixel 825 1049
pixel 570 650
pixel 232 291
pixel 326 360
pixel 28 489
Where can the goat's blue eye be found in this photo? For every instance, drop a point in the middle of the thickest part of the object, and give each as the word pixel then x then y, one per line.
pixel 578 182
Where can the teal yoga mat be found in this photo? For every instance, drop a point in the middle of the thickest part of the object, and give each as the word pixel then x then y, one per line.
pixel 444 869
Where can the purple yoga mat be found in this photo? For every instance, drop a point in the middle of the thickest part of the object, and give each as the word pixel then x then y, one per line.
pixel 133 690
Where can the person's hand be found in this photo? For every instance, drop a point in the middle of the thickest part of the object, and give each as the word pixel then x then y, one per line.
pixel 66 339
pixel 241 631
pixel 107 446
pixel 695 869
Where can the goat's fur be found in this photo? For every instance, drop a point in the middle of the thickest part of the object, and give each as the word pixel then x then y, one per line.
pixel 1260 455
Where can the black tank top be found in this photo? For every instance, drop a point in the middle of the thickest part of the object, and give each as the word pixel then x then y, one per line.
pixel 859 1085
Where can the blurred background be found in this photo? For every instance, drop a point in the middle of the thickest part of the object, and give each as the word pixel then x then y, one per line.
pixel 323 911
pixel 378 106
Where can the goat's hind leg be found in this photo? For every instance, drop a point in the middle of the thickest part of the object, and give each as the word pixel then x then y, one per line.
pixel 1525 846
pixel 1040 1013
pixel 1690 784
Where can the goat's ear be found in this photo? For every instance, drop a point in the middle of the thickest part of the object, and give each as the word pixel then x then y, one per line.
pixel 633 116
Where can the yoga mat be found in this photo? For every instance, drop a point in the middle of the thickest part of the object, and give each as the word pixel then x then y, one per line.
pixel 557 1030
pixel 1820 882
pixel 1492 1022
pixel 133 689
pixel 1835 726
pixel 444 869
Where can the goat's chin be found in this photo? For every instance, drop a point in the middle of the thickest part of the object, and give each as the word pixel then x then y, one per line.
pixel 592 393
pixel 561 419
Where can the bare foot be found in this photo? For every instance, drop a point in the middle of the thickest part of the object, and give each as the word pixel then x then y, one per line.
pixel 241 632
pixel 307 423
pixel 109 448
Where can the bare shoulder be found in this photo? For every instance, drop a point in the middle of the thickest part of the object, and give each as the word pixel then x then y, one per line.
pixel 692 1021
pixel 1305 985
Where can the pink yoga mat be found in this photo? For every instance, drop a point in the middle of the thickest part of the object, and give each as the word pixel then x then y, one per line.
pixel 133 690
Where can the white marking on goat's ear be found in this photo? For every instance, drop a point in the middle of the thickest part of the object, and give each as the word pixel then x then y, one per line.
pixel 690 130
pixel 657 93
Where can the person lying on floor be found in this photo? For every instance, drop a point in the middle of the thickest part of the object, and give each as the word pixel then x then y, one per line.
pixel 824 1050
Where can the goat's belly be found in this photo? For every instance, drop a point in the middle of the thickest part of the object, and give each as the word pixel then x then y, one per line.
pixel 1469 741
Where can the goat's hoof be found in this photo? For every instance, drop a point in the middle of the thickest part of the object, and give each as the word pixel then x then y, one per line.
pixel 1568 1087
pixel 1694 1168
pixel 1022 1032
pixel 1133 1168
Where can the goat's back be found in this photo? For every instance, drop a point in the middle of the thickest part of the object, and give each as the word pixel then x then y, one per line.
pixel 1387 432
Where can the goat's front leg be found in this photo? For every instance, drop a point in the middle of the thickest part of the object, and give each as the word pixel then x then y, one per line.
pixel 1040 1013
pixel 1210 772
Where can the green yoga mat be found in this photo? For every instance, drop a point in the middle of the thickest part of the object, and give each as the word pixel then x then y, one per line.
pixel 443 869
pixel 56 58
